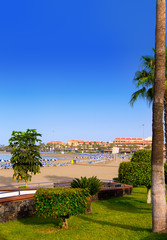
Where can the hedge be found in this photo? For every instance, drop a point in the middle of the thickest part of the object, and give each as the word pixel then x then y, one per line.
pixel 60 203
pixel 135 173
pixel 142 156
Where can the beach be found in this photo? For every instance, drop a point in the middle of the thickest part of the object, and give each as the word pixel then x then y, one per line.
pixel 106 170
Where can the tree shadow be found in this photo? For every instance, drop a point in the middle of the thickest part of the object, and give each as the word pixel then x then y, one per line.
pixel 141 193
pixel 7 181
pixel 105 223
pixel 2 237
pixel 54 178
pixel 125 204
pixel 40 221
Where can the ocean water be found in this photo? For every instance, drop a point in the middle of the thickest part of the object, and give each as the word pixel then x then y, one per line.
pixel 7 157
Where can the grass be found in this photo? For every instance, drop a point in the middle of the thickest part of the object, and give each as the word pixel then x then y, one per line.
pixel 127 218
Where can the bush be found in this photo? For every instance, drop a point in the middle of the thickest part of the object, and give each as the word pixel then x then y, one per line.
pixel 142 156
pixel 60 203
pixel 23 187
pixel 93 184
pixel 135 173
pixel 138 171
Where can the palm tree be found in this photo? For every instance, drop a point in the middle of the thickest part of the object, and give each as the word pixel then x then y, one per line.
pixel 72 145
pixel 84 145
pixel 124 146
pixel 144 81
pixel 95 145
pixel 157 165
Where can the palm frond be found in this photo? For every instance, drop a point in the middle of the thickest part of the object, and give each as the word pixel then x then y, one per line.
pixel 143 78
pixel 93 184
pixel 149 95
pixel 139 93
pixel 148 62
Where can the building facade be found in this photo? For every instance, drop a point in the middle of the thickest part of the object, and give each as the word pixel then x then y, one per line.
pixel 135 143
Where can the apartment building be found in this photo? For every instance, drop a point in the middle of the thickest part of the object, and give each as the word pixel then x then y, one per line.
pixel 81 142
pixel 55 142
pixel 133 142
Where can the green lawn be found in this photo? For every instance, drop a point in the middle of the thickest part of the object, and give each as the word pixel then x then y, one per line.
pixel 127 218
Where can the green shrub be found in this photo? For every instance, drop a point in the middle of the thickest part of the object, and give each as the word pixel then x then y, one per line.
pixel 23 187
pixel 93 184
pixel 138 171
pixel 60 203
pixel 135 173
pixel 142 156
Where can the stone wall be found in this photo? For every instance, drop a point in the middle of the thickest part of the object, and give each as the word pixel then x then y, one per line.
pixel 15 208
pixel 112 192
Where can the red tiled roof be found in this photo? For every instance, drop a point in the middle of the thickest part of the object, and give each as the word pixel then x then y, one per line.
pixel 82 141
pixel 128 139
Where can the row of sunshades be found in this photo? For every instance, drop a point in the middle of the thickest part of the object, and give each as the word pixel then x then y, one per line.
pixel 125 156
pixel 94 158
pixel 6 165
pixel 51 159
pixel 4 161
pixel 50 164
pixel 97 161
pixel 43 159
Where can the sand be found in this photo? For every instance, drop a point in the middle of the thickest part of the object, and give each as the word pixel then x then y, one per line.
pixel 105 170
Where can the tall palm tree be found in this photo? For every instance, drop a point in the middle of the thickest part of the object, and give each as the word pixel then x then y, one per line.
pixel 157 166
pixel 144 81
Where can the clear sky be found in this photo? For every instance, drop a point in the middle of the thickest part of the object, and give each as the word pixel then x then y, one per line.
pixel 67 67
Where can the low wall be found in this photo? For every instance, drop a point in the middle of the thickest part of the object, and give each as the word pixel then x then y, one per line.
pixel 112 192
pixel 13 208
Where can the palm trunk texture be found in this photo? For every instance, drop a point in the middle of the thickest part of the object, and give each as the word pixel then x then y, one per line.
pixel 157 171
pixel 148 195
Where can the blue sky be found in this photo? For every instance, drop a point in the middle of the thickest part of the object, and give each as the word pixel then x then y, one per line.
pixel 67 67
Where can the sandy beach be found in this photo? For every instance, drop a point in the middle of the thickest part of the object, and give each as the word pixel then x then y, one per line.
pixel 105 170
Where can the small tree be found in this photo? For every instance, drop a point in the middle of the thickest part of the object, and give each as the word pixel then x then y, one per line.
pixel 25 154
pixel 60 203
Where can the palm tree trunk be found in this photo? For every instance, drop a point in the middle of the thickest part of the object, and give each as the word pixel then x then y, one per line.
pixel 165 121
pixel 88 211
pixel 65 223
pixel 148 195
pixel 157 169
